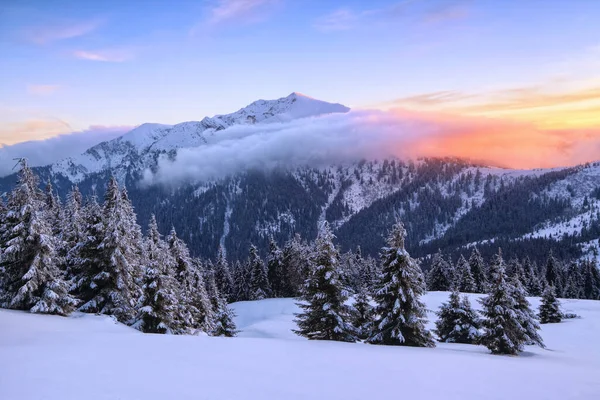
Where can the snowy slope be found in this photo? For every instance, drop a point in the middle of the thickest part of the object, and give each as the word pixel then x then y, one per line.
pixel 53 358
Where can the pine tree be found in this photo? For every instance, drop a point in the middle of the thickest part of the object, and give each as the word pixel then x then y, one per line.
pixel 457 321
pixel 532 281
pixel 295 264
pixel 550 307
pixel 84 260
pixel 477 266
pixel 591 280
pixel 241 281
pixel 159 305
pixel 259 281
pixel 277 274
pixel 194 307
pixel 525 315
pixel 29 262
pixel 401 315
pixel 574 282
pixel 552 273
pixel 440 277
pixel 465 282
pixel 110 285
pixel 506 326
pixel 224 324
pixel 324 316
pixel 362 314
pixel 223 277
pixel 53 209
pixel 73 232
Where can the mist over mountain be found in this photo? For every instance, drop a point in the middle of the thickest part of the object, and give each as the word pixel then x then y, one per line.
pixel 280 167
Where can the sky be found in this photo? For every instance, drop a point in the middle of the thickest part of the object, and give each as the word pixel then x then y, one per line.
pixel 95 67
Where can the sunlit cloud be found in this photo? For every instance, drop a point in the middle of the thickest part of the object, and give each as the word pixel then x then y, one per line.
pixel 548 108
pixel 42 90
pixel 33 129
pixel 108 55
pixel 60 31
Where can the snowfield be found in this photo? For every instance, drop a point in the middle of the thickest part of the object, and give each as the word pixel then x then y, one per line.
pixel 92 357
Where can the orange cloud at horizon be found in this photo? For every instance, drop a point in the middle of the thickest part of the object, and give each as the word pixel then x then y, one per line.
pixel 502 142
pixel 545 107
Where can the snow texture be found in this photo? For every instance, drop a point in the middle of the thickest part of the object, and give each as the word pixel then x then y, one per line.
pixel 55 358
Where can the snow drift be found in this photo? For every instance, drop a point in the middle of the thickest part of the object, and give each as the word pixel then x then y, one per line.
pixel 48 357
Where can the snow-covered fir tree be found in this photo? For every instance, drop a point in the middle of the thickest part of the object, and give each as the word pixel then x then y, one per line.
pixel 477 266
pixel 223 277
pixel 552 273
pixel 73 230
pixel 464 281
pixel 440 276
pixel 401 315
pixel 276 271
pixel 573 288
pixel 504 332
pixel 457 321
pixel 591 280
pixel 32 279
pixel 224 324
pixel 194 307
pixel 241 281
pixel 53 209
pixel 368 270
pixel 324 313
pixel 109 286
pixel 532 280
pixel 550 307
pixel 525 315
pixel 159 310
pixel 362 318
pixel 259 281
pixel 84 259
pixel 296 256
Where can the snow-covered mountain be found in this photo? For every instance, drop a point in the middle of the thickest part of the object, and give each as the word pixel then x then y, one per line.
pixel 446 204
pixel 140 148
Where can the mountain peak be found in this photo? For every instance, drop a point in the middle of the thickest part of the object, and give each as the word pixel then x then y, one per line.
pixel 298 94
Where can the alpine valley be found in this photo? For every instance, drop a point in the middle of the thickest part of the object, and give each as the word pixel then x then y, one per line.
pixel 448 204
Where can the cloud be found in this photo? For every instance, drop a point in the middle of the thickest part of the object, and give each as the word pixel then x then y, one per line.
pixel 375 134
pixel 61 31
pixel 224 12
pixel 546 106
pixel 344 19
pixel 107 55
pixel 48 151
pixel 42 90
pixel 447 12
pixel 228 10
pixel 32 129
pixel 339 20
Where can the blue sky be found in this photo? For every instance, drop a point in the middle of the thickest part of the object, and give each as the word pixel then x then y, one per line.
pixel 69 65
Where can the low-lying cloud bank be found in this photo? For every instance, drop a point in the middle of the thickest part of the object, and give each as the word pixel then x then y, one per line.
pixel 375 134
pixel 48 151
